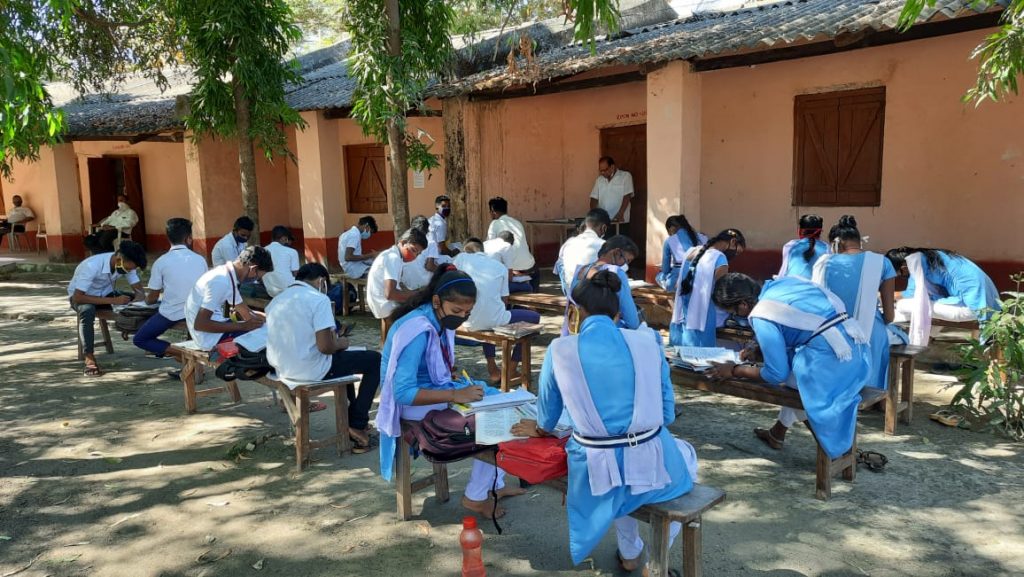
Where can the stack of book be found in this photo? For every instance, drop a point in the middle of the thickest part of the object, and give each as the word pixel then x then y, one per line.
pixel 495 402
pixel 517 330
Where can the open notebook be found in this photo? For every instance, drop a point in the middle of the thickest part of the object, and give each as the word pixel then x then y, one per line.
pixel 700 358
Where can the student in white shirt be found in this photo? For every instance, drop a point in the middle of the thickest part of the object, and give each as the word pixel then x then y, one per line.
pixel 583 248
pixel 286 261
pixel 613 191
pixel 384 288
pixel 416 273
pixel 438 232
pixel 16 217
pixel 216 294
pixel 92 287
pixel 354 261
pixel 500 249
pixel 521 261
pixel 232 244
pixel 303 345
pixel 170 282
pixel 121 221
pixel 491 280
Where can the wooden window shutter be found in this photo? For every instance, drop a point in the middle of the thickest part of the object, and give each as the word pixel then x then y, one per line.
pixel 365 172
pixel 838 148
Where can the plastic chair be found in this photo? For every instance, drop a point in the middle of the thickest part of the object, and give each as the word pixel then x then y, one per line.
pixel 41 235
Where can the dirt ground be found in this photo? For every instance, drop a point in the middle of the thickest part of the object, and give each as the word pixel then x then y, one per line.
pixel 109 477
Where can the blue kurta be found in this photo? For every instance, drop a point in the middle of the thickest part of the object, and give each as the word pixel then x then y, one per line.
pixel 842 277
pixel 608 370
pixel 669 274
pixel 628 317
pixel 961 284
pixel 799 267
pixel 680 336
pixel 829 388
pixel 411 375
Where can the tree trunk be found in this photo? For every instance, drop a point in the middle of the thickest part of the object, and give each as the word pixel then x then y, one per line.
pixel 455 167
pixel 396 132
pixel 247 163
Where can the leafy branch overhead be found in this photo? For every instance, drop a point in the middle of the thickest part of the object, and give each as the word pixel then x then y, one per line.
pixel 1000 57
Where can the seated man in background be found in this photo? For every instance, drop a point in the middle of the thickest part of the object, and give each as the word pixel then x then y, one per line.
pixel 491 280
pixel 303 346
pixel 16 217
pixel 173 276
pixel 233 243
pixel 92 287
pixel 354 261
pixel 215 299
pixel 521 261
pixel 120 222
pixel 417 272
pixel 286 261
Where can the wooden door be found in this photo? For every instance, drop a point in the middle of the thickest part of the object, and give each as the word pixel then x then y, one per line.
pixel 627 145
pixel 132 188
pixel 102 188
pixel 367 191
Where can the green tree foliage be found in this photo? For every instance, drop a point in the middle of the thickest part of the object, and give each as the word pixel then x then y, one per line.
pixel 1000 57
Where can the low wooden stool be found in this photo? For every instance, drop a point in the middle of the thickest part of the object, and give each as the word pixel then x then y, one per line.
pixel 296 402
pixel 360 286
pixel 192 360
pixel 900 398
pixel 104 316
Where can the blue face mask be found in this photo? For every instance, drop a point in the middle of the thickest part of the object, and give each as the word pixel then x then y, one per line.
pixel 239 239
pixel 445 211
pixel 364 234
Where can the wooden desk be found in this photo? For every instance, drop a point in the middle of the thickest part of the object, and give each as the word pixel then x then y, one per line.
pixel 507 344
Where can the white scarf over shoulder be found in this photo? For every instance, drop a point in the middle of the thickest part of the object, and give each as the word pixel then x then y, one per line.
pixel 790 316
pixel 700 296
pixel 866 305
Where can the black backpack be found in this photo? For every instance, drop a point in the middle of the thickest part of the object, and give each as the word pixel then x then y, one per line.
pixel 246 365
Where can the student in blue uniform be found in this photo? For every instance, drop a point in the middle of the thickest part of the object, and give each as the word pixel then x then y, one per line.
pixel 615 386
pixel 615 255
pixel 958 289
pixel 800 254
pixel 681 238
pixel 417 364
pixel 808 343
pixel 694 317
pixel 860 278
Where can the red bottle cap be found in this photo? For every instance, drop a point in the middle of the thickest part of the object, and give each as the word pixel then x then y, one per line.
pixel 469 522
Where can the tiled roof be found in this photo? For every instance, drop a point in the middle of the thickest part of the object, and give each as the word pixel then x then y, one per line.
pixel 711 34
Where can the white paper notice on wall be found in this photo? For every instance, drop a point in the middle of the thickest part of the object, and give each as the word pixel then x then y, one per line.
pixel 419 179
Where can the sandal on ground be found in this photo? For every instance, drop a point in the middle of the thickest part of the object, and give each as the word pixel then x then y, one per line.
pixel 92 371
pixel 630 565
pixel 768 439
pixel 946 417
pixel 873 460
pixel 315 406
pixel 360 445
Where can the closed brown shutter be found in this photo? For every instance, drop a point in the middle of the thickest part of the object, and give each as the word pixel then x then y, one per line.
pixel 367 193
pixel 838 148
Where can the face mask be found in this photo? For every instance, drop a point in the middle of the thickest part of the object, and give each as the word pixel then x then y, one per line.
pixel 729 253
pixel 444 212
pixel 364 234
pixel 407 254
pixel 239 239
pixel 451 322
pixel 119 269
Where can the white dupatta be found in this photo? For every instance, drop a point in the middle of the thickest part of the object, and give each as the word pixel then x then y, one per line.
pixel 866 305
pixel 786 249
pixel 700 296
pixel 921 313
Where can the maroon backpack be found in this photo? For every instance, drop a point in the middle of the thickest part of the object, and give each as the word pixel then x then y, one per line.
pixel 445 436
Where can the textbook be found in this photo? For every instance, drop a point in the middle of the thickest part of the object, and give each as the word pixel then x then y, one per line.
pixel 493 427
pixel 495 402
pixel 700 358
pixel 516 330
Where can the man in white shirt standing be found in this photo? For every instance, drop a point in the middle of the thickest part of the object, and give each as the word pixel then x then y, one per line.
pixel 233 243
pixel 216 296
pixel 613 191
pixel 384 288
pixel 491 280
pixel 121 221
pixel 353 260
pixel 521 261
pixel 92 287
pixel 16 217
pixel 582 249
pixel 303 346
pixel 170 282
pixel 286 261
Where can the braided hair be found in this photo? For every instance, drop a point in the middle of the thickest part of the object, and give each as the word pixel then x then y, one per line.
pixel 727 235
pixel 810 228
pixel 442 279
pixel 599 294
pixel 679 221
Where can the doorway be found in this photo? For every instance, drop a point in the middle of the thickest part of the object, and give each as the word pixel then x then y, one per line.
pixel 110 176
pixel 627 145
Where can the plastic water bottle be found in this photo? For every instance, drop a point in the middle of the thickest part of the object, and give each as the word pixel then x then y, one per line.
pixel 472 540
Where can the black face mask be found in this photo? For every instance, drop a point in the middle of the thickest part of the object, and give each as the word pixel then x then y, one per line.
pixel 729 253
pixel 452 322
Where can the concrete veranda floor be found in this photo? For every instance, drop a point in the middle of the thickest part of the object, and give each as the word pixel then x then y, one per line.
pixel 109 477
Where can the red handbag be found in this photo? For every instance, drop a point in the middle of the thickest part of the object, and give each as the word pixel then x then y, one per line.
pixel 225 350
pixel 534 460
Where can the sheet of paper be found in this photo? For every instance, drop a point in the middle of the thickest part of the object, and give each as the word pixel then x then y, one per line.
pixel 700 358
pixel 515 396
pixel 493 427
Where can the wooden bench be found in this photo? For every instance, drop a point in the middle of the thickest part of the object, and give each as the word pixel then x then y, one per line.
pixel 295 400
pixel 539 302
pixel 900 398
pixel 687 510
pixel 104 317
pixel 972 326
pixel 782 396
pixel 360 286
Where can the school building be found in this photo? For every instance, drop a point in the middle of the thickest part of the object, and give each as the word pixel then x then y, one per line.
pixel 742 118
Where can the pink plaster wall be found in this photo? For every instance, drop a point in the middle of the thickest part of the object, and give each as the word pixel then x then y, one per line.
pixel 952 175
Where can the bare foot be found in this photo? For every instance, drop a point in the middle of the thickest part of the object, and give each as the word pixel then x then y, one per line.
pixel 507 491
pixel 484 508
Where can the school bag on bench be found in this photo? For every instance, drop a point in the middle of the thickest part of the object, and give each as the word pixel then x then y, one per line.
pixel 238 362
pixel 534 460
pixel 445 436
pixel 129 319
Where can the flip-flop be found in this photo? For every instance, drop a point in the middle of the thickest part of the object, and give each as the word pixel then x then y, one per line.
pixel 315 406
pixel 92 371
pixel 873 460
pixel 946 417
pixel 768 439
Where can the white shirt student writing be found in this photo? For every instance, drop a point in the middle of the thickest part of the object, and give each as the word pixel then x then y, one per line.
pixel 352 239
pixel 500 251
pixel 491 280
pixel 94 276
pixel 610 193
pixel 226 250
pixel 286 263
pixel 175 274
pixel 579 250
pixel 217 287
pixel 521 258
pixel 386 267
pixel 293 319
